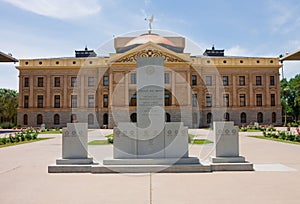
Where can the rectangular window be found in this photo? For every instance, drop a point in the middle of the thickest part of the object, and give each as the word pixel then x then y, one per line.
pixel 258 99
pixel 91 101
pixel 167 78
pixel 226 100
pixel 73 101
pixel 132 99
pixel 194 100
pixel 105 81
pixel 26 82
pixel 105 100
pixel 40 82
pixel 56 101
pixel 258 81
pixel 242 100
pixel 225 80
pixel 242 81
pixel 40 101
pixel 272 80
pixel 273 101
pixel 56 81
pixel 26 101
pixel 208 98
pixel 194 80
pixel 91 81
pixel 133 78
pixel 73 81
pixel 208 80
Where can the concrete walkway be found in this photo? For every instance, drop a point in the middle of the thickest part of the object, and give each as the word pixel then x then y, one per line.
pixel 24 177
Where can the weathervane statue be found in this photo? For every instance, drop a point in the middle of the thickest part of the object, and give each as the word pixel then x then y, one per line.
pixel 150 20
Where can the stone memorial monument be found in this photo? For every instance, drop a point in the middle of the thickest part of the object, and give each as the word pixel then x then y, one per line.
pixel 151 140
pixel 74 145
pixel 226 145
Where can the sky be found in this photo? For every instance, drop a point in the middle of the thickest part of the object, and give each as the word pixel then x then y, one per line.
pixel 56 28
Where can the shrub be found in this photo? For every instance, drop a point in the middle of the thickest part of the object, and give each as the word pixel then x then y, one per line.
pixel 290 137
pixel 298 139
pixel 7 125
pixel 110 138
pixel 264 133
pixel 3 140
pixel 11 138
pixel 282 135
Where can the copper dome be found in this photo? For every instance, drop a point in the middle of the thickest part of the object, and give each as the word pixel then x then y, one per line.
pixel 142 39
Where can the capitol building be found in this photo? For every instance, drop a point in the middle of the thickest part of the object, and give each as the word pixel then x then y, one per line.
pixel 101 90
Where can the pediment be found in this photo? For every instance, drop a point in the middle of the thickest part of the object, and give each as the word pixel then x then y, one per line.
pixel 149 49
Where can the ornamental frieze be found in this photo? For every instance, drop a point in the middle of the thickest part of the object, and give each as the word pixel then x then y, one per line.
pixel 149 53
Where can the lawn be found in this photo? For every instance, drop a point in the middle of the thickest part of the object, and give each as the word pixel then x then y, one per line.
pixel 51 132
pixel 98 142
pixel 276 139
pixel 201 141
pixel 24 142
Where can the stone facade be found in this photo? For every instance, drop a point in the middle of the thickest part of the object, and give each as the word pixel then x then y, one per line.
pixel 101 90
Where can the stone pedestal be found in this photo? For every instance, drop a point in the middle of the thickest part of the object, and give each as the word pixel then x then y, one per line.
pixel 226 143
pixel 74 145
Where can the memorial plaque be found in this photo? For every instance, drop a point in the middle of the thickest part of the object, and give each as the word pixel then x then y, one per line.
pixel 150 107
pixel 176 140
pixel 74 144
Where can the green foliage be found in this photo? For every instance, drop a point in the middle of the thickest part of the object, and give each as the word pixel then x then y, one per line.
pixel 7 125
pixel 8 105
pixel 110 138
pixel 290 97
pixel 20 137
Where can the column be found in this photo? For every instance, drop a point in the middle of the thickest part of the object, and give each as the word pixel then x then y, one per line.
pixel 126 88
pixel 110 88
pixel 251 96
pixel 65 91
pixel 267 101
pixel 234 92
pixel 81 87
pixel 31 96
pixel 48 96
pixel 189 87
pixel 173 89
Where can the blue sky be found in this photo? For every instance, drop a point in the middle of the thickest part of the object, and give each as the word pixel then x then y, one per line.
pixel 55 28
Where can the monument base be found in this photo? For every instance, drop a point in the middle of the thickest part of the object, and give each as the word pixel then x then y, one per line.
pixel 177 168
pixel 230 164
pixel 238 159
pixel 74 161
pixel 155 161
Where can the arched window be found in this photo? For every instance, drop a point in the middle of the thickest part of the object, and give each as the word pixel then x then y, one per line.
pixel 105 119
pixel 273 117
pixel 74 118
pixel 168 118
pixel 25 119
pixel 56 119
pixel 133 118
pixel 260 117
pixel 209 118
pixel 91 119
pixel 243 117
pixel 39 119
pixel 226 116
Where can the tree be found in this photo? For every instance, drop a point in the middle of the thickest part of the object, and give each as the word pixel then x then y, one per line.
pixel 8 105
pixel 290 97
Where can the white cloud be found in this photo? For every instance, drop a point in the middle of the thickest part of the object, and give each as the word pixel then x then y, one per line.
pixel 61 9
pixel 237 51
pixel 283 16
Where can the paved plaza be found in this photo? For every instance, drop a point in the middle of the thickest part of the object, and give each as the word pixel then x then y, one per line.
pixel 24 177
